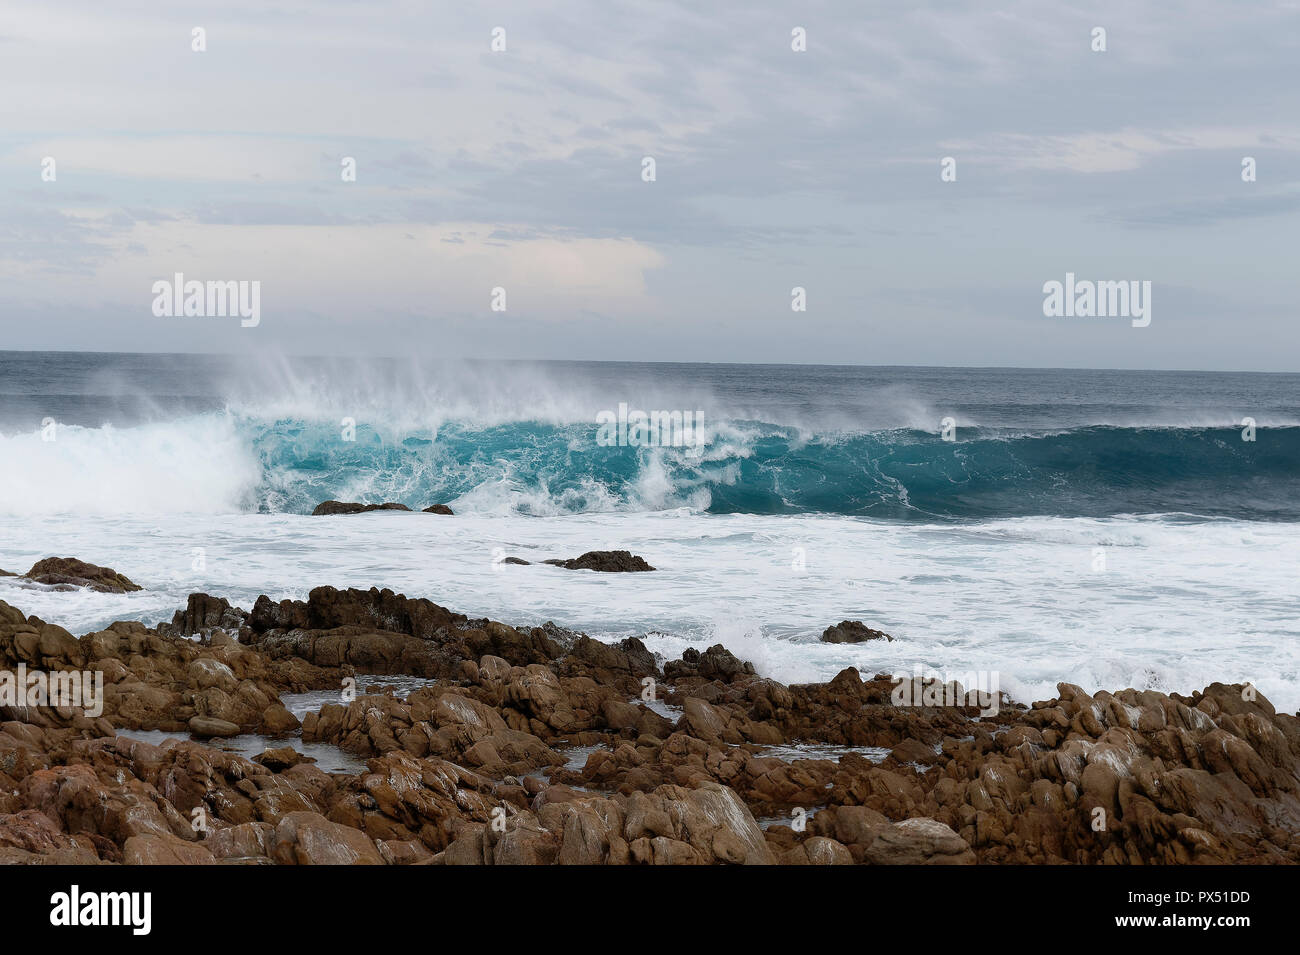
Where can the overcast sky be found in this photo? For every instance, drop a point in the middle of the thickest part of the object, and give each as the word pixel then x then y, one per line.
pixel 523 169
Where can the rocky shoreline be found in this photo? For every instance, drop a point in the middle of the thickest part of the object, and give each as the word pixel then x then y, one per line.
pixel 538 745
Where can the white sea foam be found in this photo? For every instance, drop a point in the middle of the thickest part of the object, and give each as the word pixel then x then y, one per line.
pixel 1180 604
pixel 198 464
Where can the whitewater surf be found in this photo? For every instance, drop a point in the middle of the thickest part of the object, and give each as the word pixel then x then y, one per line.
pixel 1132 541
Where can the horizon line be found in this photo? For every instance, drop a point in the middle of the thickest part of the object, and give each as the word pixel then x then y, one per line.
pixel 620 361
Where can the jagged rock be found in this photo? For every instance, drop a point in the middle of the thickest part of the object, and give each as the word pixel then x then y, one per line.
pixel 345 507
pixel 715 663
pixel 919 842
pixel 31 837
pixel 623 665
pixel 308 838
pixel 70 572
pixel 706 824
pixel 280 759
pixel 605 561
pixel 327 608
pixel 155 681
pixel 1213 777
pixel 150 849
pixel 852 631
pixel 817 850
pixel 404 852
pixel 204 615
pixel 247 840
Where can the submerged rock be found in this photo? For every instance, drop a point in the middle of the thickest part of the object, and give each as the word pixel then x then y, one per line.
pixel 71 572
pixel 345 507
pixel 852 631
pixel 605 561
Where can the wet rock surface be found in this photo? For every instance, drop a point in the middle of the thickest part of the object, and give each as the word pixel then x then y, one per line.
pixel 349 507
pixel 535 745
pixel 69 572
pixel 853 631
pixel 605 561
pixel 205 616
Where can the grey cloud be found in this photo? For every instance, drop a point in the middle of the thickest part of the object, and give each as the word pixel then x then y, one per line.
pixel 770 163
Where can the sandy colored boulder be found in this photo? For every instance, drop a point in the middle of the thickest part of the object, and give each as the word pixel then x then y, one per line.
pixel 919 842
pixel 308 838
pixel 164 850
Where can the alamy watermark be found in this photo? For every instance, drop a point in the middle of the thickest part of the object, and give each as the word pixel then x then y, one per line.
pixel 928 687
pixel 654 429
pixel 1088 299
pixel 74 689
pixel 193 299
pixel 75 907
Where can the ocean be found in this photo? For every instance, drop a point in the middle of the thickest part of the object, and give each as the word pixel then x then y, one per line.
pixel 1104 528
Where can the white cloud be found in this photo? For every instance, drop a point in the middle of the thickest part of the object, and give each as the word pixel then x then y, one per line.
pixel 188 158
pixel 360 271
pixel 1120 150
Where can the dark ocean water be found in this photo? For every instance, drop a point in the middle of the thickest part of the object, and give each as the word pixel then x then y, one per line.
pixel 777 439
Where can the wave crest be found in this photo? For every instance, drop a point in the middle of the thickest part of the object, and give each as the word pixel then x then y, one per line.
pixel 226 462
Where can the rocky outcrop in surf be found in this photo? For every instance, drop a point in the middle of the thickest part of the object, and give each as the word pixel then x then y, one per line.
pixel 207 617
pixel 69 572
pixel 151 680
pixel 605 561
pixel 853 631
pixel 347 507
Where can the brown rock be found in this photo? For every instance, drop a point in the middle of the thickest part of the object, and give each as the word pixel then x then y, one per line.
pixel 605 561
pixel 823 851
pixel 919 841
pixel 342 507
pixel 204 614
pixel 70 572
pixel 164 850
pixel 245 841
pixel 308 838
pixel 208 726
pixel 278 721
pixel 283 758
pixel 852 631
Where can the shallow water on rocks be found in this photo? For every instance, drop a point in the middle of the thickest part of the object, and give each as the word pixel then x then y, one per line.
pixel 832 751
pixel 766 822
pixel 1032 610
pixel 300 704
pixel 327 756
pixel 667 710
pixel 577 755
